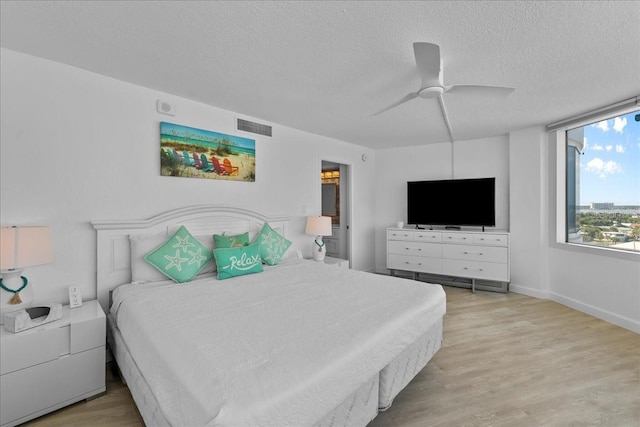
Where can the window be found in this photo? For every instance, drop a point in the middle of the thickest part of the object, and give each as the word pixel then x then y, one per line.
pixel 603 182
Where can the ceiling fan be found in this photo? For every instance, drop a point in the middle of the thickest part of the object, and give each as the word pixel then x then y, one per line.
pixel 429 65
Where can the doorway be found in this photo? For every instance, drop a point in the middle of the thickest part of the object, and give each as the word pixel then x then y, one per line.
pixel 336 203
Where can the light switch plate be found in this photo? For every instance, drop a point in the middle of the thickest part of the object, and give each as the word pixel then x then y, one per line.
pixel 75 299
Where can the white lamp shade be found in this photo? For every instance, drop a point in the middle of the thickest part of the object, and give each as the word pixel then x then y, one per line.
pixel 22 247
pixel 318 226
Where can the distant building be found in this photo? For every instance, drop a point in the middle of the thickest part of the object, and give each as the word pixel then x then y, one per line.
pixel 601 206
pixel 620 237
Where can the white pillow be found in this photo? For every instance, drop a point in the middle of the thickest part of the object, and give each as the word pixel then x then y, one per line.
pixel 142 244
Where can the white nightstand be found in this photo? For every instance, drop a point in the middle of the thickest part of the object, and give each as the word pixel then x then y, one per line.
pixel 52 366
pixel 340 263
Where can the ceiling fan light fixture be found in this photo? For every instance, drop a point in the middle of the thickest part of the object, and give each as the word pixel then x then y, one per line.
pixel 431 92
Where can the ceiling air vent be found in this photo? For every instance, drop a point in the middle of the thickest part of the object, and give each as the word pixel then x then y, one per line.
pixel 253 127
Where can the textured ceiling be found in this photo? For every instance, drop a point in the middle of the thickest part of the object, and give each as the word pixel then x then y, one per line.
pixel 326 66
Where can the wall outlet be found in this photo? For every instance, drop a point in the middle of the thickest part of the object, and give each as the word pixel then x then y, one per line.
pixel 299 253
pixel 75 299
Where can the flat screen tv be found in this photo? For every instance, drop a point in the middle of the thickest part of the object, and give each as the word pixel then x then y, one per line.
pixel 452 203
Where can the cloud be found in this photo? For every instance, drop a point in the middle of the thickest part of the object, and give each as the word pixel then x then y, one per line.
pixel 619 148
pixel 609 147
pixel 597 147
pixel 603 125
pixel 602 168
pixel 619 124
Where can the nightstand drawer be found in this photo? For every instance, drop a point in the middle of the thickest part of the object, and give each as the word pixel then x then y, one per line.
pixel 51 385
pixel 17 350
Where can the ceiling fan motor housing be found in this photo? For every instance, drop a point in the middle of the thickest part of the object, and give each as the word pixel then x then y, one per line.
pixel 431 92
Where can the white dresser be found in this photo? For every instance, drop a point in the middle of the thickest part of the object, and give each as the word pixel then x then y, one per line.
pixel 482 255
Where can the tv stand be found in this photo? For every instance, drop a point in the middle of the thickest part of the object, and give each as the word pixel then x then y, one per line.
pixel 472 255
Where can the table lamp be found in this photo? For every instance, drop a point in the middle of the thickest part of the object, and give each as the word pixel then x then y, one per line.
pixel 318 226
pixel 20 247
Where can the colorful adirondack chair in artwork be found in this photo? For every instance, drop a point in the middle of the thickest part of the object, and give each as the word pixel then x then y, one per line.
pixel 231 170
pixel 206 166
pixel 196 161
pixel 186 158
pixel 177 156
pixel 217 166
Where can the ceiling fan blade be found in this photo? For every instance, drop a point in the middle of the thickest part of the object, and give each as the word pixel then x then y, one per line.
pixel 428 62
pixel 445 116
pixel 479 90
pixel 407 98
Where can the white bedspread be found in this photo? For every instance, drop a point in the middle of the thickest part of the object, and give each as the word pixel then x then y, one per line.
pixel 278 348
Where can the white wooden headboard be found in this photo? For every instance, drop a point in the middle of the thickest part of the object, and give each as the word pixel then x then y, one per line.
pixel 113 249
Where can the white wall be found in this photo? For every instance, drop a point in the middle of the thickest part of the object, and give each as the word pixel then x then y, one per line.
pixel 605 284
pixel 487 157
pixel 528 173
pixel 76 146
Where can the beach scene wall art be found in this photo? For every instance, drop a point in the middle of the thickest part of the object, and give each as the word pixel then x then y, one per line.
pixel 196 153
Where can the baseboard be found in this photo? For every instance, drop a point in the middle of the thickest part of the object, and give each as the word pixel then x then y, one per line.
pixel 616 319
pixel 536 293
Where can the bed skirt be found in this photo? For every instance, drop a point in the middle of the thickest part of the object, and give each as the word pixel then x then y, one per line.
pixel 397 374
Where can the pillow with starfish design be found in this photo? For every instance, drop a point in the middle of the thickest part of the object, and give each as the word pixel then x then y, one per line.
pixel 181 257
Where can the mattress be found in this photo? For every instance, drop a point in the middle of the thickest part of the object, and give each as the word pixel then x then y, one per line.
pixel 284 347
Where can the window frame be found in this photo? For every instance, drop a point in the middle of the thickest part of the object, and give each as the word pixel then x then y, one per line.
pixel 558 138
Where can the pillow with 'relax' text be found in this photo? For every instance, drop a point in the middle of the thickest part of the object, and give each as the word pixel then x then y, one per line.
pixel 238 261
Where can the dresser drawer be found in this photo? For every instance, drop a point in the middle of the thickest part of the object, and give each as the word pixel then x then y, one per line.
pixel 476 269
pixel 428 236
pixel 449 237
pixel 491 239
pixel 399 234
pixel 476 253
pixel 414 263
pixel 415 249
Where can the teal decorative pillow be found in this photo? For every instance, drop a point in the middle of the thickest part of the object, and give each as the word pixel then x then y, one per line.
pixel 181 257
pixel 272 245
pixel 234 241
pixel 234 262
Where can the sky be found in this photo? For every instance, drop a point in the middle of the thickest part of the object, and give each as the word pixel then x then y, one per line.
pixel 610 166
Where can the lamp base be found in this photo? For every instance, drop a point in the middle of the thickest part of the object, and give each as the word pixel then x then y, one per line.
pixel 318 249
pixel 12 280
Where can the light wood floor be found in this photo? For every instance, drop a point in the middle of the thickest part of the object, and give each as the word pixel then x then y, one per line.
pixel 506 360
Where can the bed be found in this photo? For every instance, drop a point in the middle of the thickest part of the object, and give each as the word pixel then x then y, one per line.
pixel 299 343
